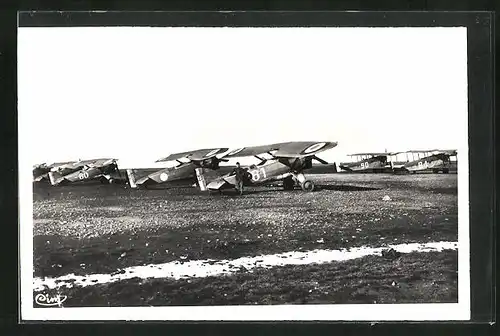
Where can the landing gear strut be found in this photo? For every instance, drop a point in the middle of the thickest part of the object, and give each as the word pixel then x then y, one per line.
pixel 288 183
pixel 306 185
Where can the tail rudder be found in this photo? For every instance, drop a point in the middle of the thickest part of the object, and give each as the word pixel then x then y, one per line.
pixel 54 177
pixel 201 179
pixel 205 176
pixel 131 178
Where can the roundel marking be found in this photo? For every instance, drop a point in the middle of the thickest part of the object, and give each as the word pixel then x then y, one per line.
pixel 314 147
pixel 235 151
pixel 163 177
pixel 212 152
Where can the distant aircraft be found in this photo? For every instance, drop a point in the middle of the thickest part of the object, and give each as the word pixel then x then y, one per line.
pixel 201 158
pixel 368 163
pixel 435 160
pixel 105 170
pixel 41 171
pixel 287 163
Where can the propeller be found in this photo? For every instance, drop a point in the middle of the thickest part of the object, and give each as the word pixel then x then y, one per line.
pixel 319 160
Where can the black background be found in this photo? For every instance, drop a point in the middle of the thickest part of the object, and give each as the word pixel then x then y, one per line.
pixel 481 149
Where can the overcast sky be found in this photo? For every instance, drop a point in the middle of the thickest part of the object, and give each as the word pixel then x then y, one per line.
pixel 138 94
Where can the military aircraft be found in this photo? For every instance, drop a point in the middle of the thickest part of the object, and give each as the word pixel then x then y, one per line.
pixel 287 163
pixel 368 163
pixel 184 171
pixel 41 171
pixel 106 170
pixel 434 160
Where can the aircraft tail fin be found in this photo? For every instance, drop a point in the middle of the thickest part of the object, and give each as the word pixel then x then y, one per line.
pixel 205 176
pixel 131 178
pixel 55 178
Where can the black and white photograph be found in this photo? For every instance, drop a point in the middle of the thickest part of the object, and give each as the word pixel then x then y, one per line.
pixel 243 173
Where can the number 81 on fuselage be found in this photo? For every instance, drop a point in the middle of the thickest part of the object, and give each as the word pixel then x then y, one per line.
pixel 258 174
pixel 267 172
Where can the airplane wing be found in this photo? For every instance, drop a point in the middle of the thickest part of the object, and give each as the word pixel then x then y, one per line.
pixel 422 151
pixel 448 151
pixel 303 148
pixel 57 164
pixel 375 154
pixel 284 149
pixel 442 151
pixel 196 155
pixel 251 151
pixel 67 165
pixel 98 162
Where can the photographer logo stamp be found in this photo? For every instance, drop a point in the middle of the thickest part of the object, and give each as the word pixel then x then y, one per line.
pixel 50 300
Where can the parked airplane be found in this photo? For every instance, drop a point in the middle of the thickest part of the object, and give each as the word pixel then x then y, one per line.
pixel 105 170
pixel 184 171
pixel 41 171
pixel 368 163
pixel 287 163
pixel 435 160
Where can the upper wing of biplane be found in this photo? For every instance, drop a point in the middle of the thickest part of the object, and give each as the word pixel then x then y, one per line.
pixel 422 151
pixel 55 164
pixel 98 162
pixel 252 151
pixel 448 151
pixel 65 165
pixel 196 155
pixel 295 149
pixel 303 148
pixel 375 154
pixel 435 151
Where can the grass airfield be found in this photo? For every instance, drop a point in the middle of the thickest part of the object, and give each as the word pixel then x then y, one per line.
pixel 84 230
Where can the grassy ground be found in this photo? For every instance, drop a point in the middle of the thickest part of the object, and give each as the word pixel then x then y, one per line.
pixel 411 278
pixel 102 228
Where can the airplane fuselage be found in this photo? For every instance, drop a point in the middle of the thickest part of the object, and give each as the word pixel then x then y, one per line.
pixel 369 164
pixel 436 162
pixel 272 170
pixel 83 174
pixel 184 171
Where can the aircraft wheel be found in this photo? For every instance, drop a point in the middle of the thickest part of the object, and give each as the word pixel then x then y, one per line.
pixel 288 183
pixel 111 181
pixel 308 185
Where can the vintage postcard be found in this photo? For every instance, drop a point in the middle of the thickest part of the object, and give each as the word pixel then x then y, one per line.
pixel 222 173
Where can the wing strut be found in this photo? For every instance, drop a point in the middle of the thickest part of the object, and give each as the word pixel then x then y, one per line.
pixel 319 160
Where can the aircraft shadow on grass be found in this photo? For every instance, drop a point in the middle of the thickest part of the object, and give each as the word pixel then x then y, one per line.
pixel 345 188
